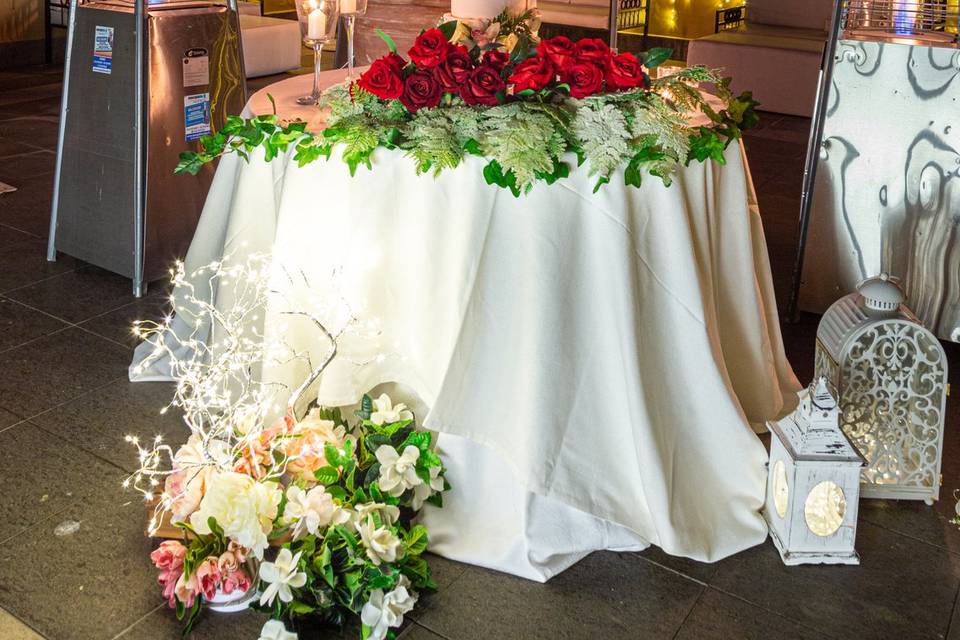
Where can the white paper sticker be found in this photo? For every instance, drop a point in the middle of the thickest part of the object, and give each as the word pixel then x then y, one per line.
pixel 196 68
pixel 196 115
pixel 103 50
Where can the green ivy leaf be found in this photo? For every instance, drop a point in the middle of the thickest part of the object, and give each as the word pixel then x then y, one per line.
pixel 326 475
pixel 416 540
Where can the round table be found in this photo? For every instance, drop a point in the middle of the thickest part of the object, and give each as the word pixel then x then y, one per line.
pixel 594 362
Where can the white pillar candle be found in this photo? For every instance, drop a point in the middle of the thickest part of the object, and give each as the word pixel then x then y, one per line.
pixel 348 6
pixel 316 25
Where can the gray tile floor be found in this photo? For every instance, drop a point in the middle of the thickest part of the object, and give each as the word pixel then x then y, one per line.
pixel 65 405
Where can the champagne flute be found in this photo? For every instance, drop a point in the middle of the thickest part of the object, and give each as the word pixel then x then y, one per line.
pixel 318 23
pixel 350 9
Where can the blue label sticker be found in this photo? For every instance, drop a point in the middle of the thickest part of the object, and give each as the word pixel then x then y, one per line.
pixel 196 115
pixel 103 50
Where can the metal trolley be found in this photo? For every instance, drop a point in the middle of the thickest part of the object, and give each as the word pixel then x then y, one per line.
pixel 881 186
pixel 142 82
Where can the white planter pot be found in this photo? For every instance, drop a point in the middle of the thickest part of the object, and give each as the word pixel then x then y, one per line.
pixel 236 601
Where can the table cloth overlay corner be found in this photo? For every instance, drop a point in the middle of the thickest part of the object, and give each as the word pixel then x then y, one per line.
pixel 593 361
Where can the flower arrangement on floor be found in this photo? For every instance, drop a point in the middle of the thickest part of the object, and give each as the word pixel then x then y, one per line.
pixel 307 516
pixel 522 110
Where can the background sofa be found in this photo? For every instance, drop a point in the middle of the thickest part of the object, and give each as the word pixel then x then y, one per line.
pixel 775 53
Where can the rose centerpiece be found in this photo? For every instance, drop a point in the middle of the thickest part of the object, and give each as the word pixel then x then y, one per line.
pixel 531 111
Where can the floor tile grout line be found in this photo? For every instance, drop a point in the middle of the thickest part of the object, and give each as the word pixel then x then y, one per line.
pixel 771 611
pixel 82 448
pixel 956 598
pixel 139 620
pixel 39 522
pixel 686 616
pixel 31 341
pixel 12 228
pixel 59 404
pixel 672 570
pixel 897 532
pixel 24 623
pixel 433 631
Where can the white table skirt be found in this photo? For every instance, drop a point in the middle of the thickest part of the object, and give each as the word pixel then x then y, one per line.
pixel 594 362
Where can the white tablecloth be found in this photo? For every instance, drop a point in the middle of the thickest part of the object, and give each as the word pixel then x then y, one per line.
pixel 593 361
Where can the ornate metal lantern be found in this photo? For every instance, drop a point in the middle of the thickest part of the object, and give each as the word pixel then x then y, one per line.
pixel 813 483
pixel 891 376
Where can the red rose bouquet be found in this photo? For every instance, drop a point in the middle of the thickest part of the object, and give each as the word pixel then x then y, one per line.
pixel 441 72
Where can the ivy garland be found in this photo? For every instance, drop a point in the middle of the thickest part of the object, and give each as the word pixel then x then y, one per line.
pixel 643 131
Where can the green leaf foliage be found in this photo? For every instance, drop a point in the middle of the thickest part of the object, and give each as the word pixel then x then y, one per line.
pixel 639 132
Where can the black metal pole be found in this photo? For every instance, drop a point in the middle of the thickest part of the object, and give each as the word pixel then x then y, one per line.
pixel 813 152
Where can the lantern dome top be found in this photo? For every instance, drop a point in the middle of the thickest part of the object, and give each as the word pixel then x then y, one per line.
pixel 812 432
pixel 881 293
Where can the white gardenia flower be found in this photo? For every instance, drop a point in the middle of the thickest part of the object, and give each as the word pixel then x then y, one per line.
pixel 424 490
pixel 398 472
pixel 381 612
pixel 274 630
pixel 308 511
pixel 281 574
pixel 381 544
pixel 243 507
pixel 388 513
pixel 385 413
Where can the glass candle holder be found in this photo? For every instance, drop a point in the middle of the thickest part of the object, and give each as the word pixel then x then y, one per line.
pixel 350 9
pixel 318 26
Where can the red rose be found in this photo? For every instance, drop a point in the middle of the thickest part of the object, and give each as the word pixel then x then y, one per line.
pixel 420 90
pixel 624 72
pixel 584 78
pixel 592 50
pixel 395 61
pixel 496 58
pixel 454 71
pixel 482 86
pixel 532 73
pixel 558 50
pixel 382 79
pixel 429 49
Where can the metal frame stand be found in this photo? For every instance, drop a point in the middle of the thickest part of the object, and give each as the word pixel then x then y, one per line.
pixel 813 151
pixel 140 126
pixel 614 21
pixel 61 130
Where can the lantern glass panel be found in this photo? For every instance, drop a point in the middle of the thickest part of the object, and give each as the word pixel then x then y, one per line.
pixel 824 508
pixel 781 490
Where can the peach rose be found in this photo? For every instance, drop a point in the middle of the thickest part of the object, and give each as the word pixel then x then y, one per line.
pixel 305 449
pixel 256 451
pixel 186 589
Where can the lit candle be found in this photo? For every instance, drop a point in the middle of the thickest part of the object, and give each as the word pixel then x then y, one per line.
pixel 348 6
pixel 316 24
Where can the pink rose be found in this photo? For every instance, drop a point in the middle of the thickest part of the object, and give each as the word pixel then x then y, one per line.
pixel 186 589
pixel 237 581
pixel 168 580
pixel 169 556
pixel 207 577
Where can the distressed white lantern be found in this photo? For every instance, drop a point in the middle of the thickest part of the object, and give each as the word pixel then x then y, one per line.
pixel 813 483
pixel 891 377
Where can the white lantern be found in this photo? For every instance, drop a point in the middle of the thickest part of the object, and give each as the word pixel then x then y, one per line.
pixel 891 377
pixel 813 483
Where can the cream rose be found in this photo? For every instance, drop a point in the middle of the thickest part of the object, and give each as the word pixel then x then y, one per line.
pixel 244 508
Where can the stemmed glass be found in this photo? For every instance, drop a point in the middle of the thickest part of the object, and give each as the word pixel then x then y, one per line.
pixel 350 9
pixel 318 24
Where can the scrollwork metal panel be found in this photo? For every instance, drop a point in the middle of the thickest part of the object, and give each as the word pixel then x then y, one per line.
pixel 887 197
